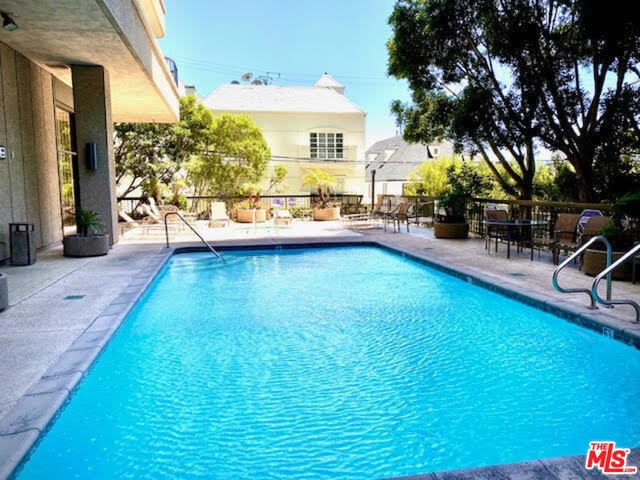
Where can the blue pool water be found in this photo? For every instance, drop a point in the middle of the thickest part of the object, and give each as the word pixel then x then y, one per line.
pixel 335 363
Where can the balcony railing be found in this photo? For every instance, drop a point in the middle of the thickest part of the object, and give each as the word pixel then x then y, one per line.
pixel 173 68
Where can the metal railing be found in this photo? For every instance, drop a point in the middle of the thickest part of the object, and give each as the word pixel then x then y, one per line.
pixel 349 203
pixel 166 232
pixel 575 255
pixel 607 273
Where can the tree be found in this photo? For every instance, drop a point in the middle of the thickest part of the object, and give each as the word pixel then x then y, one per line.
pixel 149 154
pixel 430 177
pixel 498 77
pixel 234 153
pixel 323 182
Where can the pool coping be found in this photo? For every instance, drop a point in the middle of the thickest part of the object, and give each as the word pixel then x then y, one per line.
pixel 27 422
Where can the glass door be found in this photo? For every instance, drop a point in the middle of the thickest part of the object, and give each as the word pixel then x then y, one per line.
pixel 66 171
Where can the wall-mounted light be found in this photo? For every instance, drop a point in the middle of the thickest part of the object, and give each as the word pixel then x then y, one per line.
pixel 92 157
pixel 7 22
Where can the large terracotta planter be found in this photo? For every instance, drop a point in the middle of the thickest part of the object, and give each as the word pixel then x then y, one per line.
pixel 91 246
pixel 594 262
pixel 245 215
pixel 329 213
pixel 4 291
pixel 451 230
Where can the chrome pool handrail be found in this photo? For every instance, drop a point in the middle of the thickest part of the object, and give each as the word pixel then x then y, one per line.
pixel 607 272
pixel 179 215
pixel 575 255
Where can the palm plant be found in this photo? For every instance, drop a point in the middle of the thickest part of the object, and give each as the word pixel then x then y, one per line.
pixel 88 222
pixel 322 181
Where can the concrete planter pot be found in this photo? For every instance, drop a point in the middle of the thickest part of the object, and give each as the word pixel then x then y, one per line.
pixel 324 214
pixel 91 246
pixel 4 291
pixel 451 230
pixel 594 261
pixel 245 215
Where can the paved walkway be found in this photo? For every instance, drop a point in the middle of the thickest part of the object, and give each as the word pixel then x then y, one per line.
pixel 63 311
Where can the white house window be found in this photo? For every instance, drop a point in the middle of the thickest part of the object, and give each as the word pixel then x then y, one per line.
pixel 326 145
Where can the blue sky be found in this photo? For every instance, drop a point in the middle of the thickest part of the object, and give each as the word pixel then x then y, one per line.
pixel 216 42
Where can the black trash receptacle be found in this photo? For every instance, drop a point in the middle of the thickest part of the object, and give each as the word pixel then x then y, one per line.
pixel 22 243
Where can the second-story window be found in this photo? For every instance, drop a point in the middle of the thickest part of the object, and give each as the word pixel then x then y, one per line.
pixel 326 145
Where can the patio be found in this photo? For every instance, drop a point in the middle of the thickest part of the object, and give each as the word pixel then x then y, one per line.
pixel 64 310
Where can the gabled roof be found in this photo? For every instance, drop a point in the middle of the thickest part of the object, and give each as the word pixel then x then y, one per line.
pixel 328 81
pixel 272 98
pixel 395 158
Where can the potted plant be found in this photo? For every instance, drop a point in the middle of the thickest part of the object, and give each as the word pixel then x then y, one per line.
pixel 90 241
pixel 250 210
pixel 621 232
pixel 4 288
pixel 323 209
pixel 452 223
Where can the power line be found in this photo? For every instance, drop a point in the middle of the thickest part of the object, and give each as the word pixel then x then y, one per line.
pixel 235 70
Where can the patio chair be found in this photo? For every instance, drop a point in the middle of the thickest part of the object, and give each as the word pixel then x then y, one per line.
pixel 218 216
pixel 423 213
pixel 592 228
pixel 565 235
pixel 498 232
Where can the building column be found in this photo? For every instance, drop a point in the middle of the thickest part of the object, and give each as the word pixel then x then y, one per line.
pixel 94 133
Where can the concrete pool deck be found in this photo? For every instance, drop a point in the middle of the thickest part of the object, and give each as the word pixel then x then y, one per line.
pixel 63 311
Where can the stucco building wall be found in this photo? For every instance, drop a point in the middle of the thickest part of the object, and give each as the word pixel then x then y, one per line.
pixel 29 182
pixel 287 134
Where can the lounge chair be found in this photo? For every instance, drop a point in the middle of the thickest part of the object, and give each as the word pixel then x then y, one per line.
pixel 150 222
pixel 130 222
pixel 218 215
pixel 153 206
pixel 151 215
pixel 282 217
pixel 398 215
pixel 384 208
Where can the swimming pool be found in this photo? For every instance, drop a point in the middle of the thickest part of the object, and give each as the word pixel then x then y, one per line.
pixel 335 363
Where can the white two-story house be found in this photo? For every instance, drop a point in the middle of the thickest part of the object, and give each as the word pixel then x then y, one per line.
pixel 305 127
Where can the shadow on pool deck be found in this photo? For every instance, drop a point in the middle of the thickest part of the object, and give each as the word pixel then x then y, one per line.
pixel 63 311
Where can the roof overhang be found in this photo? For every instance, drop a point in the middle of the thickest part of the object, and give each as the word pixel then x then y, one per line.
pixel 115 34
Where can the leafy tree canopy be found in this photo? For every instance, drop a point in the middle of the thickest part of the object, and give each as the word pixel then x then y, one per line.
pixel 434 177
pixel 235 153
pixel 149 154
pixel 499 77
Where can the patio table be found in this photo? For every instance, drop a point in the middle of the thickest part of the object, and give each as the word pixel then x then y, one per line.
pixel 517 231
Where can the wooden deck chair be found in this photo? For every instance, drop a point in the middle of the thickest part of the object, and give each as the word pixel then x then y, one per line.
pixel 218 216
